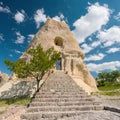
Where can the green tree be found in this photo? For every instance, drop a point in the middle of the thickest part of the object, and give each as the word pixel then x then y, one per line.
pixel 40 63
pixel 109 76
pixel 114 75
pixel 102 76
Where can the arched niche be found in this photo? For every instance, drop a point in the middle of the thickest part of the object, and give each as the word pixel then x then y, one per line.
pixel 58 41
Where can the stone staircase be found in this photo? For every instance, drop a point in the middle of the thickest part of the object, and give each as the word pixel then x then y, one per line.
pixel 60 97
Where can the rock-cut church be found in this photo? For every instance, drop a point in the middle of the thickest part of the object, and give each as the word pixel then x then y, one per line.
pixel 58 35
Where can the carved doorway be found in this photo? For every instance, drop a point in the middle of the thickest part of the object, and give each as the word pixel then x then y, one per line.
pixel 59 65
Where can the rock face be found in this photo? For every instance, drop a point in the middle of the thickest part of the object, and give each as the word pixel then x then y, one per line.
pixel 58 35
pixel 3 78
pixel 16 89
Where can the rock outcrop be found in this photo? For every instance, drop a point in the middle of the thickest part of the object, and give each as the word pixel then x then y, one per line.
pixel 17 89
pixel 58 35
pixel 3 78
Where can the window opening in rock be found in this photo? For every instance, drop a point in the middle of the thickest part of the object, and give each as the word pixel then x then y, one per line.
pixel 58 41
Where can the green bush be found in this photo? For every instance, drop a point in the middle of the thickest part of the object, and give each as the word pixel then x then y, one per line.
pixel 101 83
pixel 109 88
pixel 109 76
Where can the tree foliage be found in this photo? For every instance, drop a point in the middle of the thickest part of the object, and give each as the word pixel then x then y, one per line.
pixel 109 76
pixel 41 61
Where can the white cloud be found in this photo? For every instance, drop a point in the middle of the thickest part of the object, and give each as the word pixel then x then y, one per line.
pixel 18 52
pixel 107 38
pixel 40 17
pixel 86 48
pixel 114 65
pixel 110 36
pixel 5 9
pixel 113 50
pixel 97 57
pixel 95 44
pixel 10 55
pixel 30 37
pixel 20 16
pixel 90 39
pixel 117 17
pixel 1 3
pixel 96 17
pixel 59 18
pixel 1 37
pixel 20 38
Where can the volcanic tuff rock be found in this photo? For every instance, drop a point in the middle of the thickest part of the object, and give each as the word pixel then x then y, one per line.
pixel 51 30
pixel 58 35
pixel 3 78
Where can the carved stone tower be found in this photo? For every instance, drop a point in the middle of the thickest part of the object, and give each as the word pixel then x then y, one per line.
pixel 58 35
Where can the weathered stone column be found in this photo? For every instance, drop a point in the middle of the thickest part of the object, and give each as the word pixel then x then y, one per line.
pixel 68 65
pixel 74 64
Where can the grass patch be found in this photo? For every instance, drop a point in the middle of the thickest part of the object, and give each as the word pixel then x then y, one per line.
pixel 15 101
pixel 110 88
pixel 1 112
pixel 110 93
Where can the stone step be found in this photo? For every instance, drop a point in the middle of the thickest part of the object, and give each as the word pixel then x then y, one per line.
pixel 52 92
pixel 58 97
pixel 34 104
pixel 62 96
pixel 64 108
pixel 60 85
pixel 62 90
pixel 56 81
pixel 62 99
pixel 52 115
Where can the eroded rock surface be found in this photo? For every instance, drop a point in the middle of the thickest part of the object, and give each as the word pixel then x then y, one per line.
pixel 58 35
pixel 3 78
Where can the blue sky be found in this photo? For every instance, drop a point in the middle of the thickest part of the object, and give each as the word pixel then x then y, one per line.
pixel 95 24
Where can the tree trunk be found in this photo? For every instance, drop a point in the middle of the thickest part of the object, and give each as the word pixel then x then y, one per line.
pixel 38 81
